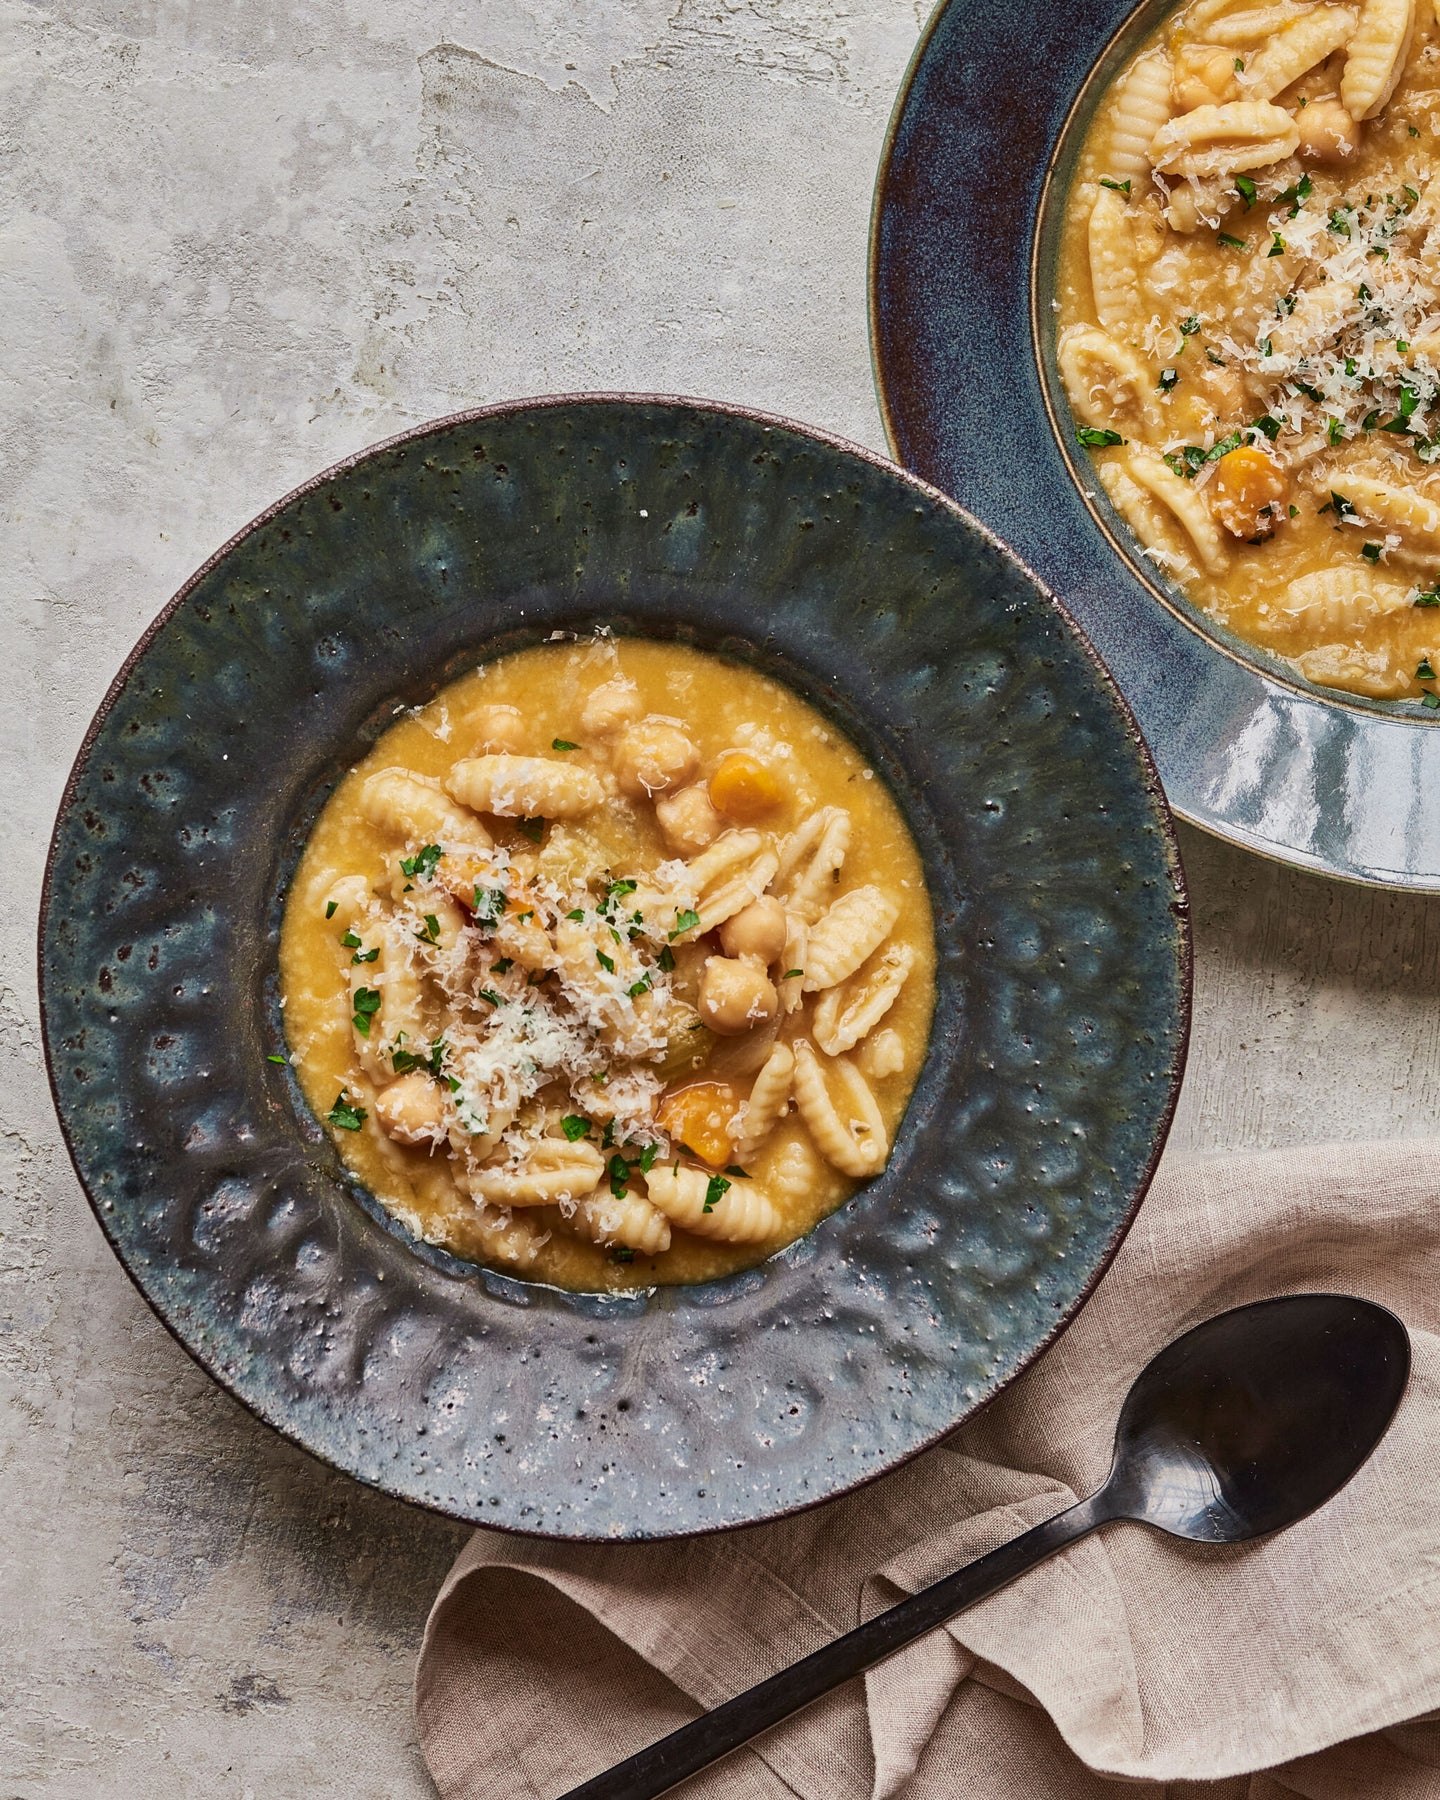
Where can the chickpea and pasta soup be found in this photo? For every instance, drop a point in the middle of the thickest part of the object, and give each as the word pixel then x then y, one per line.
pixel 611 966
pixel 1248 317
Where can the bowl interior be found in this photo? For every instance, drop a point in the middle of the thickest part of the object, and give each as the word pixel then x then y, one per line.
pixel 1062 1001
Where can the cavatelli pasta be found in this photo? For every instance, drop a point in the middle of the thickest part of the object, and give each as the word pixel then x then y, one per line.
pixel 1376 57
pixel 525 787
pixel 554 1171
pixel 855 926
pixel 728 1208
pixel 1141 106
pixel 627 1219
pixel 1114 277
pixel 415 810
pixel 840 1112
pixel 767 1102
pixel 847 1013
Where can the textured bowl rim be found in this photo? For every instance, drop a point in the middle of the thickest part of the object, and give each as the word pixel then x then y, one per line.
pixel 1179 905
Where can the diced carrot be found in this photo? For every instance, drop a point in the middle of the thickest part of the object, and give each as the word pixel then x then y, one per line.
pixel 743 787
pixel 696 1117
pixel 1248 491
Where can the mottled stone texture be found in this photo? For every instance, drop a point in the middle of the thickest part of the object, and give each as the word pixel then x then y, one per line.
pixel 240 240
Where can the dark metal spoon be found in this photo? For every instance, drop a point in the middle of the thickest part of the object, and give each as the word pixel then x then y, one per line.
pixel 1241 1427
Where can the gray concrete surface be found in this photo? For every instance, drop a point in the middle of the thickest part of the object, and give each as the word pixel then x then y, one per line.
pixel 239 239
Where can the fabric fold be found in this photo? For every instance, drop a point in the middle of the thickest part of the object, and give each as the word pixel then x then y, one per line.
pixel 1301 1664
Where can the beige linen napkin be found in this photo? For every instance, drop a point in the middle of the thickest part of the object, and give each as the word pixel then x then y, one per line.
pixel 1180 1668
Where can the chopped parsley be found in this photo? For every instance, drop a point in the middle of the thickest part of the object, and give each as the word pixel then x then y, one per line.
pixel 607 963
pixel 790 974
pixel 431 933
pixel 422 863
pixel 1296 197
pixel 1401 345
pixel 1344 511
pixel 1371 419
pixel 735 1169
pixel 617 890
pixel 1413 130
pixel 1244 186
pixel 575 1127
pixel 534 829
pixel 622 1254
pixel 1231 243
pixel 1294 512
pixel 279 1059
pixel 607 1137
pixel 1267 346
pixel 1423 673
pixel 1219 361
pixel 1270 426
pixel 578 914
pixel 1095 439
pixel 1427 597
pixel 1168 378
pixel 344 1116
pixel 715 1189
pixel 1334 430
pixel 684 921
pixel 1338 223
pixel 1430 698
pixel 503 967
pixel 490 995
pixel 1188 327
pixel 641 986
pixel 619 1172
pixel 350 941
pixel 562 744
pixel 489 908
pixel 647 1158
pixel 366 1004
pixel 1277 248
pixel 1239 69
pixel 1285 305
pixel 665 961
pixel 1119 187
pixel 1371 552
pixel 330 909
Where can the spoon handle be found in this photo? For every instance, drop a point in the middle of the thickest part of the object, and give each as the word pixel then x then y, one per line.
pixel 685 1752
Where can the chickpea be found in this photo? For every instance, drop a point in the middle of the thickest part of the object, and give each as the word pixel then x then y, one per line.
pixel 688 820
pixel 410 1110
pixel 610 707
pixel 757 930
pixel 1248 491
pixel 734 996
pixel 1204 75
pixel 500 729
pixel 653 756
pixel 1327 132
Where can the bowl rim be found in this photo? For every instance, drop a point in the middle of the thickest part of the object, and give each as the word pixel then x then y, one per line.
pixel 1179 908
pixel 1368 713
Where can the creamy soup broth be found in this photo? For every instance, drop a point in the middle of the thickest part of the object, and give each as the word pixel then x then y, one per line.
pixel 513 1099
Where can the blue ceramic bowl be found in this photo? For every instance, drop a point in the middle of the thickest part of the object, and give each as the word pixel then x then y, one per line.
pixel 964 241
pixel 1063 969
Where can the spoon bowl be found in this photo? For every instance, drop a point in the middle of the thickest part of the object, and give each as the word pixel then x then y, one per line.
pixel 1258 1416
